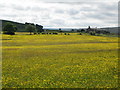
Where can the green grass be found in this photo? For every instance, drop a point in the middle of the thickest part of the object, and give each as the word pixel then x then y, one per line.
pixel 59 61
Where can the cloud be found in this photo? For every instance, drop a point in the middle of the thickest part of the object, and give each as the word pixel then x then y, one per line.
pixel 62 14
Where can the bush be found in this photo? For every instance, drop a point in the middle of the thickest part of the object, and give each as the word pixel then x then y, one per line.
pixel 92 33
pixel 9 33
pixel 55 33
pixel 35 33
pixel 82 30
pixel 80 33
pixel 42 33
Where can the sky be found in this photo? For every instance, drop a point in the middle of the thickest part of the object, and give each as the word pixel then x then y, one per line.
pixel 58 13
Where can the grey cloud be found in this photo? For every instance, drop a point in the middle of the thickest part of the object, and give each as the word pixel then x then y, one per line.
pixel 102 11
pixel 58 22
pixel 86 24
pixel 37 8
pixel 109 6
pixel 19 7
pixel 72 12
pixel 60 11
pixel 100 15
pixel 76 17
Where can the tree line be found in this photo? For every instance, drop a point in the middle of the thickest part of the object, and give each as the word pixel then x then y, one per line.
pixel 32 28
pixel 10 29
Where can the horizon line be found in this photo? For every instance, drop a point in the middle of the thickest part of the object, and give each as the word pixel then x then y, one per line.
pixel 62 27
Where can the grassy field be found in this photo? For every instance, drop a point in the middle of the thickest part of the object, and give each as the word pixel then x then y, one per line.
pixel 59 61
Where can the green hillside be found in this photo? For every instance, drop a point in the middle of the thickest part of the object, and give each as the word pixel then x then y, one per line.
pixel 20 26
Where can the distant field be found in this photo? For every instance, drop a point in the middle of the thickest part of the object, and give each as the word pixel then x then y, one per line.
pixel 59 61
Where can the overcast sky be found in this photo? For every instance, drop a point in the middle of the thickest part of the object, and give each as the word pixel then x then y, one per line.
pixel 55 13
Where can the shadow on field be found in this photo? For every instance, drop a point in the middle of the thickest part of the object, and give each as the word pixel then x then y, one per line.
pixel 90 51
pixel 74 43
pixel 5 39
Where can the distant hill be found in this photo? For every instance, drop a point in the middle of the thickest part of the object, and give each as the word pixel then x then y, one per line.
pixel 114 30
pixel 20 26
